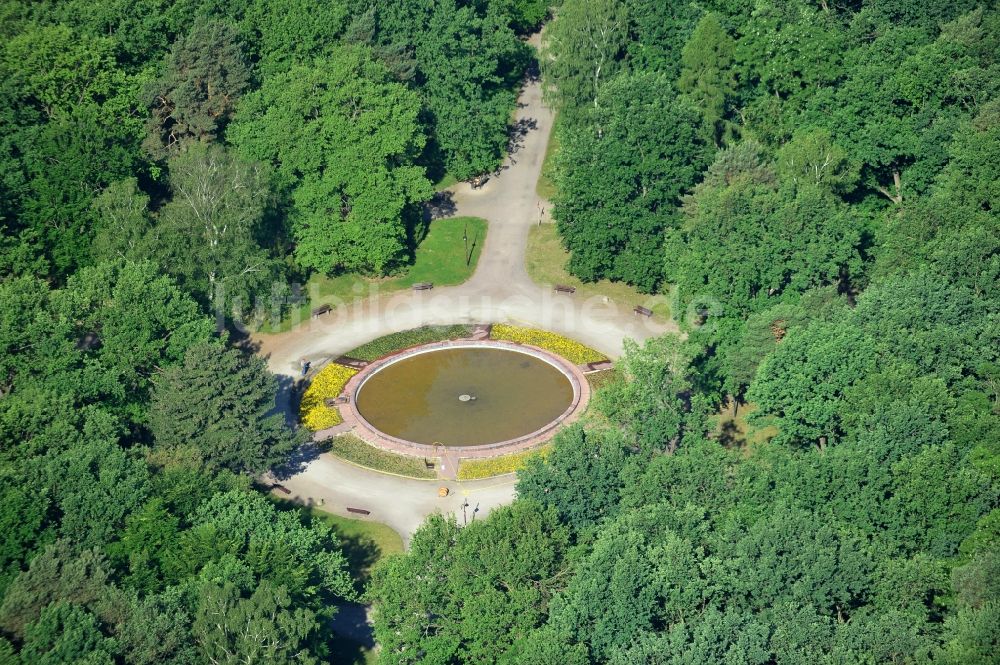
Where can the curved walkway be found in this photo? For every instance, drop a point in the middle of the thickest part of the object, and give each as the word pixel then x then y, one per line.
pixel 334 485
pixel 500 291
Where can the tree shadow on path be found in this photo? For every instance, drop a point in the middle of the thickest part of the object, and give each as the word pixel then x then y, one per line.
pixel 441 205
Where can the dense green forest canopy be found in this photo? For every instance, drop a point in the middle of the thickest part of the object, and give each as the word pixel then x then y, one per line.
pixel 163 164
pixel 815 183
pixel 334 121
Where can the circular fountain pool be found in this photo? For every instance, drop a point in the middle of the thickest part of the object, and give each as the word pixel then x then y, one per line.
pixel 471 395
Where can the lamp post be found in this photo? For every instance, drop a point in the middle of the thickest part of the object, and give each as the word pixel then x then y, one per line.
pixel 465 236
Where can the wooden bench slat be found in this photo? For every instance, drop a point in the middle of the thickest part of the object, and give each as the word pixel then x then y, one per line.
pixel 358 511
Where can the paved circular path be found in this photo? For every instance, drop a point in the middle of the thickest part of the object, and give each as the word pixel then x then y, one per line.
pixel 499 291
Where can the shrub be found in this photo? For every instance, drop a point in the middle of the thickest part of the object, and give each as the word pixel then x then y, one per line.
pixel 473 469
pixel 329 382
pixel 356 451
pixel 569 349
pixel 385 345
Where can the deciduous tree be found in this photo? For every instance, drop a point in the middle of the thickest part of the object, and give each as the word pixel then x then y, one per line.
pixel 582 51
pixel 263 627
pixel 67 633
pixel 620 176
pixel 210 233
pixel 343 137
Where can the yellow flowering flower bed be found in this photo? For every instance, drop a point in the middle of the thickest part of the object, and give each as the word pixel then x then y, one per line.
pixel 569 349
pixel 474 469
pixel 329 382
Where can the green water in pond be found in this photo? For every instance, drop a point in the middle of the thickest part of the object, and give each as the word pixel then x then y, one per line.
pixel 464 397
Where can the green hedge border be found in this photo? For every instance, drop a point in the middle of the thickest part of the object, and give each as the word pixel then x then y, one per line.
pixel 383 346
pixel 360 453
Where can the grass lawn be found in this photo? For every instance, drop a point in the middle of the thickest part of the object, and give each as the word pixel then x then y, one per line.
pixel 545 188
pixel 736 431
pixel 441 258
pixel 547 265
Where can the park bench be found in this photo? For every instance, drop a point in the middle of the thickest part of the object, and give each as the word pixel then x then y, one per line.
pixel 423 286
pixel 478 181
pixel 358 511
pixel 428 464
pixel 335 401
pixel 281 488
pixel 642 311
pixel 322 309
pixel 562 288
